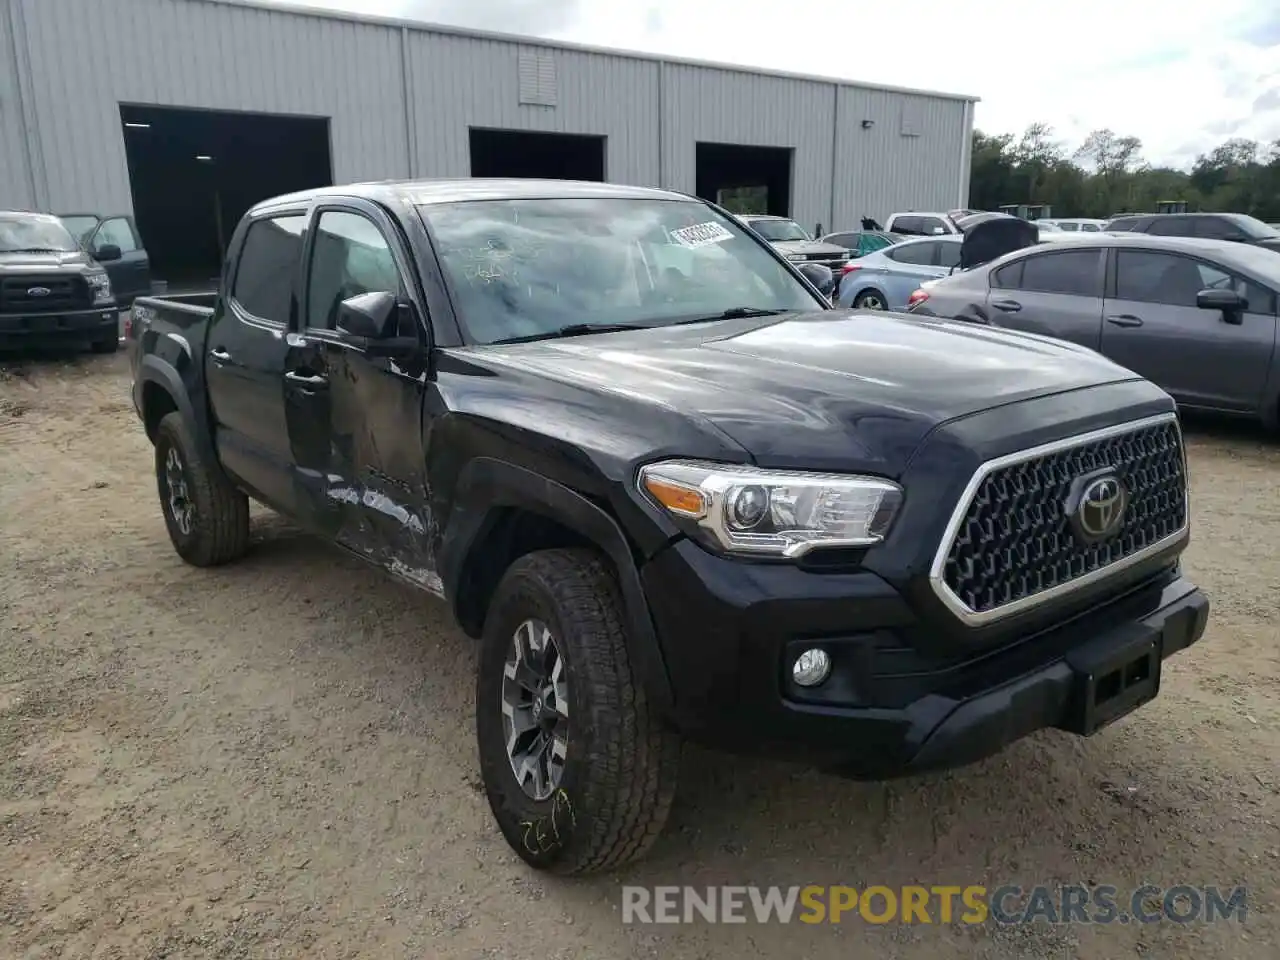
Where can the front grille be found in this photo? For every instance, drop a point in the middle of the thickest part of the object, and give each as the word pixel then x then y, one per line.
pixel 63 293
pixel 1014 543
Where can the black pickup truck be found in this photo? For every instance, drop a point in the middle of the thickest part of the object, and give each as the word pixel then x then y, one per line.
pixel 672 492
pixel 51 291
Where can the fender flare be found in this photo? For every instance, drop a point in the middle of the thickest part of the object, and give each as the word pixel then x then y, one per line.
pixel 486 485
pixel 152 369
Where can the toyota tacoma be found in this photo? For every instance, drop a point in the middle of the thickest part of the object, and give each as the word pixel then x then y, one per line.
pixel 671 491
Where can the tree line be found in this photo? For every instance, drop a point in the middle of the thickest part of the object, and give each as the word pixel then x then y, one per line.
pixel 1107 175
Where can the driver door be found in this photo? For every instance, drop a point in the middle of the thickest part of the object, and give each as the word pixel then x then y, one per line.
pixel 356 420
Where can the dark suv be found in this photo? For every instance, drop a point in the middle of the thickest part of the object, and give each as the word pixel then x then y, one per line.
pixel 1236 227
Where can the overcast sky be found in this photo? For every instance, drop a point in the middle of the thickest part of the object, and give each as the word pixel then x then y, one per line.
pixel 1182 77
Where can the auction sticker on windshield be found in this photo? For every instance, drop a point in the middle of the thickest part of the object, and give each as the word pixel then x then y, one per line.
pixel 701 234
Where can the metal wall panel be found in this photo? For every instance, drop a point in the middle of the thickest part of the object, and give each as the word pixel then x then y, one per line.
pixel 17 189
pixel 880 170
pixel 718 106
pixel 87 57
pixel 401 98
pixel 462 82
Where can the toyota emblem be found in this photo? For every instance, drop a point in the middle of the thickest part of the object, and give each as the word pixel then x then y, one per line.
pixel 38 291
pixel 1097 506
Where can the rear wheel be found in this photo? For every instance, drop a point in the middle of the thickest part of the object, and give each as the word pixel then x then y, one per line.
pixel 579 770
pixel 207 518
pixel 869 300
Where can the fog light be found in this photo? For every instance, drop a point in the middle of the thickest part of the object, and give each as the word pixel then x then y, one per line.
pixel 811 668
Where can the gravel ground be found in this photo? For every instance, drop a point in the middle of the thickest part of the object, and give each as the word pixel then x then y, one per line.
pixel 276 759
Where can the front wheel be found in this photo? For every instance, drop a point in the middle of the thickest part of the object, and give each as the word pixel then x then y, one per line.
pixel 869 300
pixel 579 770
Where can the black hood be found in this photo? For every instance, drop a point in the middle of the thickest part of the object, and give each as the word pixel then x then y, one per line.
pixel 832 389
pixel 11 263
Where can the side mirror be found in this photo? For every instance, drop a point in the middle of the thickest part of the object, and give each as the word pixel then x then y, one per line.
pixel 372 322
pixel 107 253
pixel 1230 303
pixel 820 276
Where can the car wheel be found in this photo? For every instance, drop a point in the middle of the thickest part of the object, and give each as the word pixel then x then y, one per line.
pixel 207 518
pixel 579 770
pixel 869 300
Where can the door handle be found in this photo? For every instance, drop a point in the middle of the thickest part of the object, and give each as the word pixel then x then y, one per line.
pixel 312 380
pixel 219 355
pixel 1008 306
pixel 1124 320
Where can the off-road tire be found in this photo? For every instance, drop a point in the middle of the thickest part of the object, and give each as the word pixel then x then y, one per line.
pixel 621 761
pixel 220 527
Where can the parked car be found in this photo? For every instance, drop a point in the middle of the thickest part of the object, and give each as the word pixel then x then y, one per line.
pixel 1234 227
pixel 885 279
pixel 916 224
pixel 51 291
pixel 794 242
pixel 671 492
pixel 1074 224
pixel 131 272
pixel 861 242
pixel 1197 317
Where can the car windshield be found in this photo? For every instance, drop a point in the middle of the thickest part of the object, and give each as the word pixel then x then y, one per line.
pixel 1255 228
pixel 779 229
pixel 81 227
pixel 527 268
pixel 35 234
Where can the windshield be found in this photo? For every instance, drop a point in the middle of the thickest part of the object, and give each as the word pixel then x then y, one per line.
pixel 779 229
pixel 530 267
pixel 81 227
pixel 35 234
pixel 1255 228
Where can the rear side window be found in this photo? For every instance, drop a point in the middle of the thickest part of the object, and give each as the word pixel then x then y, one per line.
pixel 267 265
pixel 1121 224
pixel 1007 277
pixel 1074 272
pixel 949 254
pixel 1170 227
pixel 915 253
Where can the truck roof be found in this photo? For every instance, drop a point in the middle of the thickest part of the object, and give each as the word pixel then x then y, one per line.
pixel 473 188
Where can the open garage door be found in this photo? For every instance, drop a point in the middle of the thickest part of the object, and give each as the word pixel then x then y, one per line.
pixel 526 154
pixel 745 179
pixel 194 173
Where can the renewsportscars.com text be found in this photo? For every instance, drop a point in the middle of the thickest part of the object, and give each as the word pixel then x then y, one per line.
pixel 1008 904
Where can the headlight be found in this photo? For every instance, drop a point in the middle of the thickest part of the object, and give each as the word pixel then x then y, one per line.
pixel 100 285
pixel 780 513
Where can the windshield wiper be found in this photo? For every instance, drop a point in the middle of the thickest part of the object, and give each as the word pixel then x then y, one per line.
pixel 738 313
pixel 573 330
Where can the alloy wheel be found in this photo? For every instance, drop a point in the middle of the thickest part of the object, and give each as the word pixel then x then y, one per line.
pixel 535 709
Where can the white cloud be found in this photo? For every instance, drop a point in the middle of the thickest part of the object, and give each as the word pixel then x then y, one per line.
pixel 1181 77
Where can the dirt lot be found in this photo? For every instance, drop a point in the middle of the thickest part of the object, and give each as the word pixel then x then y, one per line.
pixel 276 759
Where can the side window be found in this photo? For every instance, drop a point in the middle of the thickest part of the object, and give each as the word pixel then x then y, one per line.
pixel 1086 227
pixel 1069 227
pixel 349 256
pixel 1007 277
pixel 931 226
pixel 1216 228
pixel 914 253
pixel 1260 299
pixel 849 240
pixel 1075 273
pixel 116 232
pixel 949 255
pixel 267 265
pixel 1150 277
pixel 1170 227
pixel 907 225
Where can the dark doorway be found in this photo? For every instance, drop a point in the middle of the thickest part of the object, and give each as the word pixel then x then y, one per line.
pixel 541 156
pixel 745 179
pixel 195 172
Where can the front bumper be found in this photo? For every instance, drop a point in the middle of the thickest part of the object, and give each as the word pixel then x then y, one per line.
pixel 50 329
pixel 729 632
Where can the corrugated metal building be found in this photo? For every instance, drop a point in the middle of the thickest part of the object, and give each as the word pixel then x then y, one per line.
pixel 400 99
